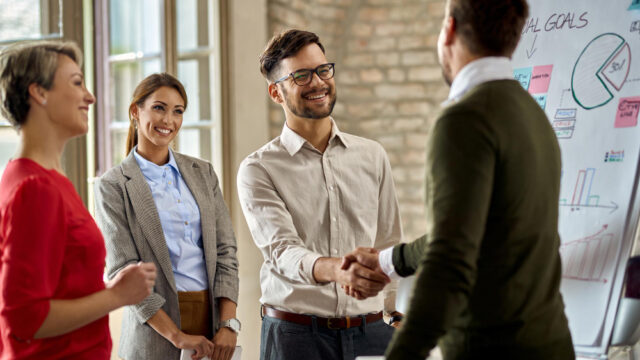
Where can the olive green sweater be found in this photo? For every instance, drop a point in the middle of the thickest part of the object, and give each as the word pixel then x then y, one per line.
pixel 488 269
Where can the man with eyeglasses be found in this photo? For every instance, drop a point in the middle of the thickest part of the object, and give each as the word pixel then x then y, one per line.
pixel 310 196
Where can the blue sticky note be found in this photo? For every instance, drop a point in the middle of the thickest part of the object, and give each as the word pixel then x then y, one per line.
pixel 635 4
pixel 541 99
pixel 523 75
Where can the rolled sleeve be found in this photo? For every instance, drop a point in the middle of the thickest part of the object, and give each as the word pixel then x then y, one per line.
pixel 226 281
pixel 271 225
pixel 34 235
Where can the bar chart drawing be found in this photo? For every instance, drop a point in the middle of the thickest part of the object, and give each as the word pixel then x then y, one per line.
pixel 586 259
pixel 582 196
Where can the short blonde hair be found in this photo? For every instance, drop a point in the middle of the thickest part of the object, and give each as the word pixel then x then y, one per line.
pixel 26 63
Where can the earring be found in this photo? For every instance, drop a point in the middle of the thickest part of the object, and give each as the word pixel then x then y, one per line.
pixel 44 102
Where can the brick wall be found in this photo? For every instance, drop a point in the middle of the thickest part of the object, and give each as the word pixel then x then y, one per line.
pixel 388 79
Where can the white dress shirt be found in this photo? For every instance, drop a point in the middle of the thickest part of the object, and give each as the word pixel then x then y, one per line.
pixel 302 204
pixel 473 74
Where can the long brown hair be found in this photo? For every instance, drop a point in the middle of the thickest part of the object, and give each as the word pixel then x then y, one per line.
pixel 147 87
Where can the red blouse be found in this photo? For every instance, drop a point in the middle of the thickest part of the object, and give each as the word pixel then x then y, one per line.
pixel 50 248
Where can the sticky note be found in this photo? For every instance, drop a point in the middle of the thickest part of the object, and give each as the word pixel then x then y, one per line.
pixel 540 78
pixel 635 4
pixel 523 75
pixel 627 114
pixel 541 99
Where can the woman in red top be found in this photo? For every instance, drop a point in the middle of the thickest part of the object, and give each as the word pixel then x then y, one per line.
pixel 53 301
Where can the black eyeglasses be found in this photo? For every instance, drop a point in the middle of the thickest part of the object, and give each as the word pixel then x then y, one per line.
pixel 303 77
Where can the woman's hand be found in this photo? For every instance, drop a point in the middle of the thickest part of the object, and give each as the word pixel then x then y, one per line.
pixel 200 344
pixel 224 342
pixel 133 283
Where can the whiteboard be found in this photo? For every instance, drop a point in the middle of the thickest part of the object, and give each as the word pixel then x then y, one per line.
pixel 580 60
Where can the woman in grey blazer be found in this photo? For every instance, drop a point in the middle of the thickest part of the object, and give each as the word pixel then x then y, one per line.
pixel 164 207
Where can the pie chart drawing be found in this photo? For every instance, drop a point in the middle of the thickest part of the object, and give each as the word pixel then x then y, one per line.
pixel 601 69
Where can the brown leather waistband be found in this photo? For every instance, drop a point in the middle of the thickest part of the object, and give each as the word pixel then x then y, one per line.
pixel 331 323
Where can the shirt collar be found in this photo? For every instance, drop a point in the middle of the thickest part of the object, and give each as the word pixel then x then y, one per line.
pixel 477 72
pixel 151 170
pixel 293 142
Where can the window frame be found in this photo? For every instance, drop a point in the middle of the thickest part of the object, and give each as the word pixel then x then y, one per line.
pixel 169 58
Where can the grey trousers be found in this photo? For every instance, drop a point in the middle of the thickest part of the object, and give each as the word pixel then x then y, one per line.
pixel 283 340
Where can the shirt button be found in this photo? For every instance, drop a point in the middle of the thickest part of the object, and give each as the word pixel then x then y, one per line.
pixel 186 223
pixel 331 187
pixel 334 251
pixel 333 218
pixel 169 182
pixel 179 201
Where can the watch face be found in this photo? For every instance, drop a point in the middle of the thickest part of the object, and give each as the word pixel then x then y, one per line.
pixel 233 324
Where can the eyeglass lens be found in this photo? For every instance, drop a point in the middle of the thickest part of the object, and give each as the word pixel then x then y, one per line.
pixel 303 77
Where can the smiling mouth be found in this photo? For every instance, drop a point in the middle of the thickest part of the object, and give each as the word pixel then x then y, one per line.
pixel 163 131
pixel 316 96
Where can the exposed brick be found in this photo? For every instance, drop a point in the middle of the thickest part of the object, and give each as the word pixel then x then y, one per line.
pixel 408 124
pixel 329 13
pixel 419 58
pixel 388 59
pixel 414 108
pixel 381 43
pixel 425 73
pixel 404 91
pixel 417 140
pixel 391 141
pixel 361 29
pixel 390 29
pixel 358 60
pixel 373 14
pixel 361 92
pixel 347 77
pixel 396 75
pixel 371 75
pixel 412 42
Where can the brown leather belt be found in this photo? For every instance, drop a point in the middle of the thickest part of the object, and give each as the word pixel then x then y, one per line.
pixel 331 323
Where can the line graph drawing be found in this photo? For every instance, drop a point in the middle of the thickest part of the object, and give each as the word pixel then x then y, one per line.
pixel 582 196
pixel 586 259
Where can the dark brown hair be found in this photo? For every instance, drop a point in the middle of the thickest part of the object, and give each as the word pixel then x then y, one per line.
pixel 147 87
pixel 26 63
pixel 489 27
pixel 282 46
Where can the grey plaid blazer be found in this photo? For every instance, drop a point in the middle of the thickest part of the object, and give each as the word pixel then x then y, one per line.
pixel 129 220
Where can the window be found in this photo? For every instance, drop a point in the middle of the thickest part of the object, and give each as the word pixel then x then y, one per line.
pixel 141 37
pixel 24 20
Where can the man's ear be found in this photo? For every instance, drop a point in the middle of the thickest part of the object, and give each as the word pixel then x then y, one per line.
pixel 38 93
pixel 274 94
pixel 449 28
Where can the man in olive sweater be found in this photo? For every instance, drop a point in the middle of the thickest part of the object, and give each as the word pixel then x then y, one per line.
pixel 488 269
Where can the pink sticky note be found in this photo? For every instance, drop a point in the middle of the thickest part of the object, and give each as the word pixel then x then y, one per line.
pixel 540 78
pixel 627 114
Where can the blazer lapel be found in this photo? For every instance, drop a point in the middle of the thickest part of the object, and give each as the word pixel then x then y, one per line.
pixel 196 179
pixel 147 215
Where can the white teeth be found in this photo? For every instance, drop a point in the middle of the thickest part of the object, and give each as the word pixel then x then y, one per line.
pixel 316 97
pixel 164 131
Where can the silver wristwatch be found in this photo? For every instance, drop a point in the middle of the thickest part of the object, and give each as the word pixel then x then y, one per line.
pixel 233 324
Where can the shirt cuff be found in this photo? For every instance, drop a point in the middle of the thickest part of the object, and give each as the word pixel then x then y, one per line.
pixel 386 263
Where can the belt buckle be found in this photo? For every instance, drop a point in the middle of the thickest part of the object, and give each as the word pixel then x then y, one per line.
pixel 331 327
pixel 329 320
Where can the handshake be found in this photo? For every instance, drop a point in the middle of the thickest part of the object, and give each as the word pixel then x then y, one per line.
pixel 360 274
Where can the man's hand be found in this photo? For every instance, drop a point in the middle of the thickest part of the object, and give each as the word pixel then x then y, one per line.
pixel 362 256
pixel 360 278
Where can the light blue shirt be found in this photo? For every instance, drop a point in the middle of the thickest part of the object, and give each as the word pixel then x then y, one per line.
pixel 180 219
